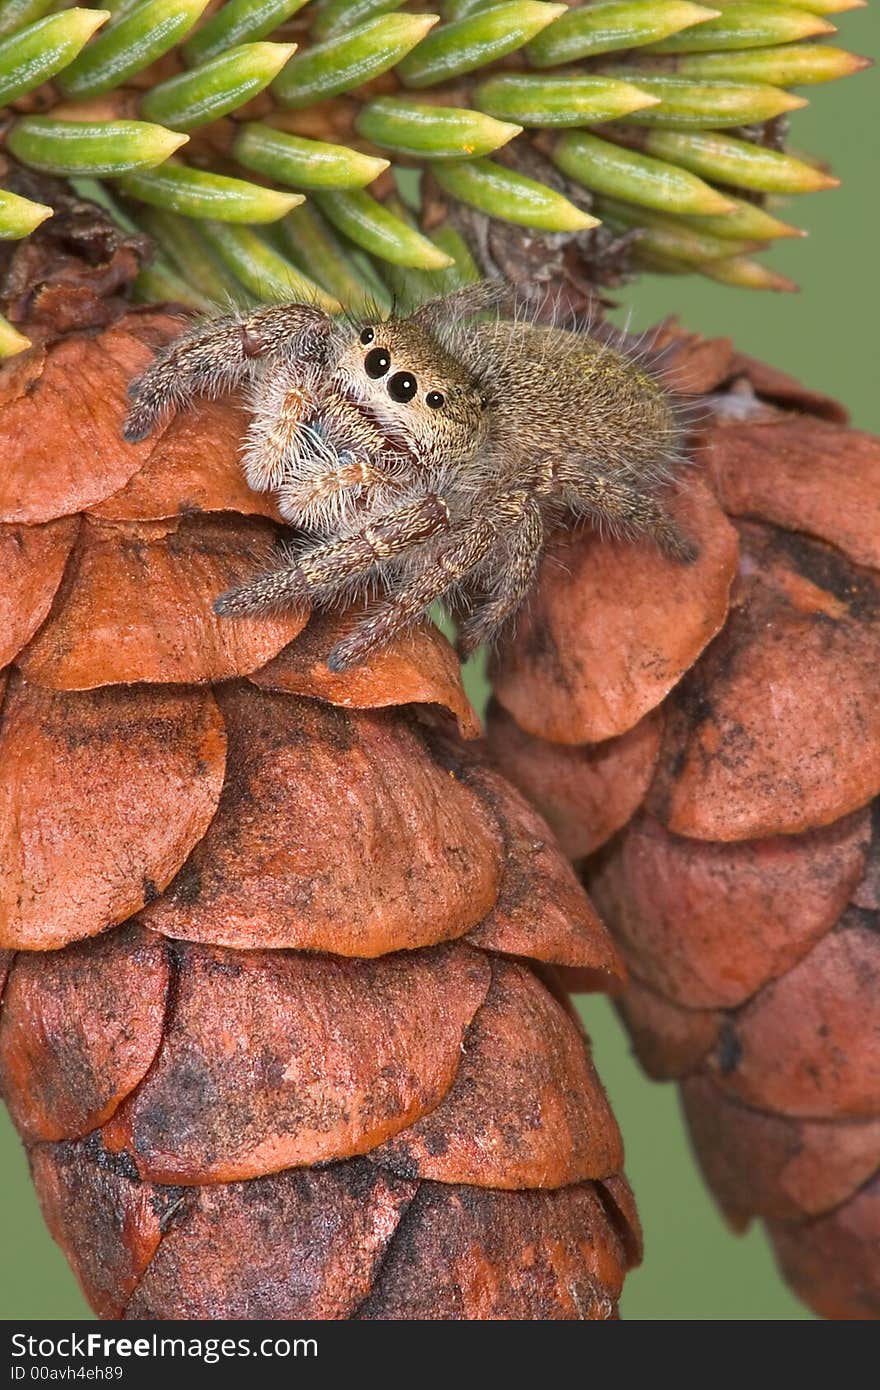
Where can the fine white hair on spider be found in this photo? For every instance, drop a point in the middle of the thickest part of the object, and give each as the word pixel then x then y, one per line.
pixel 427 457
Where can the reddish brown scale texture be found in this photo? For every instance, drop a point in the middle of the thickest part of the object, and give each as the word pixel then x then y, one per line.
pixel 764 470
pixel 773 1166
pixel 326 885
pixel 463 1253
pixel 80 1029
pixel 750 747
pixel 136 606
pixel 809 1043
pixel 348 1240
pixel 669 1041
pixel 540 910
pixel 585 794
pixel 237 1062
pixel 110 1226
pixel 420 668
pixel 279 1059
pixel 60 409
pixel 513 1117
pixel 613 627
pixel 191 470
pixel 6 958
pixel 32 560
pixel 308 777
pixel 102 796
pixel 677 904
pixel 743 885
pixel 771 384
pixel 867 892
pixel 782 1095
pixel 694 364
pixel 314 1253
pixel 831 1262
pixel 617 1198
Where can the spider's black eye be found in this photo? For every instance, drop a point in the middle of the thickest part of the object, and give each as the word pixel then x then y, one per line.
pixel 377 362
pixel 402 386
pixel 435 399
pixel 367 336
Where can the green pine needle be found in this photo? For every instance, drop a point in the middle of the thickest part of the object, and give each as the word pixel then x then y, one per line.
pixel 306 113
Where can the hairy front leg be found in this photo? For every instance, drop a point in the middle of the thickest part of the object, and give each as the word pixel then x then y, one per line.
pixel 467 548
pixel 329 568
pixel 216 356
pixel 317 502
pixel 524 544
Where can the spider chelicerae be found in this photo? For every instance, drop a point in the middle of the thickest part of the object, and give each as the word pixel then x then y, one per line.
pixel 427 457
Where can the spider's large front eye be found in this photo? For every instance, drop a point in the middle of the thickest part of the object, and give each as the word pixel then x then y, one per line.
pixel 377 362
pixel 367 336
pixel 402 387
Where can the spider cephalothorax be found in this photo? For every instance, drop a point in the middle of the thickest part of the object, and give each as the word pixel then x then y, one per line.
pixel 426 457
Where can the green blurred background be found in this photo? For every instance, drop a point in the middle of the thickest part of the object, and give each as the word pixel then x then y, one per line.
pixel 825 335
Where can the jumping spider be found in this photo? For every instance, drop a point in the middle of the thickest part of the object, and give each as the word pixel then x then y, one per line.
pixel 426 457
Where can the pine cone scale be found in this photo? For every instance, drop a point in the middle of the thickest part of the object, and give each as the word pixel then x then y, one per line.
pixel 539 910
pixel 136 605
pixel 235 1092
pixel 628 655
pixel 64 1077
pixel 807 1041
pixel 314 1252
pixel 303 1047
pixel 831 1261
pixel 111 1227
pixel 155 757
pixel 771 1165
pixel 586 793
pixel 759 471
pixel 420 669
pixel 45 476
pixel 471 1254
pixel 867 893
pixel 736 766
pixel 33 559
pixel 359 780
pixel 190 472
pixel 678 903
pixel 522 1058
pixel 670 1041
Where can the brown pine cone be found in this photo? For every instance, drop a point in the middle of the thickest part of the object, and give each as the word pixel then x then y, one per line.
pixel 707 741
pixel 279 1027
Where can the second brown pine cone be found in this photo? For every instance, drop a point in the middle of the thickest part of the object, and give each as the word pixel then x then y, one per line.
pixel 707 742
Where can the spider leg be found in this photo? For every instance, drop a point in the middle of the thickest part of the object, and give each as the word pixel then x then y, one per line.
pixel 329 567
pixel 215 356
pixel 468 546
pixel 625 509
pixel 324 493
pixel 525 541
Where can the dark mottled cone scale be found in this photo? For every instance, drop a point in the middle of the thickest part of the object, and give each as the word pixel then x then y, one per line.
pixel 706 744
pixel 278 1027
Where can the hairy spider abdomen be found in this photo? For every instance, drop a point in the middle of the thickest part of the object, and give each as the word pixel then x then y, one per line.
pixel 577 402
